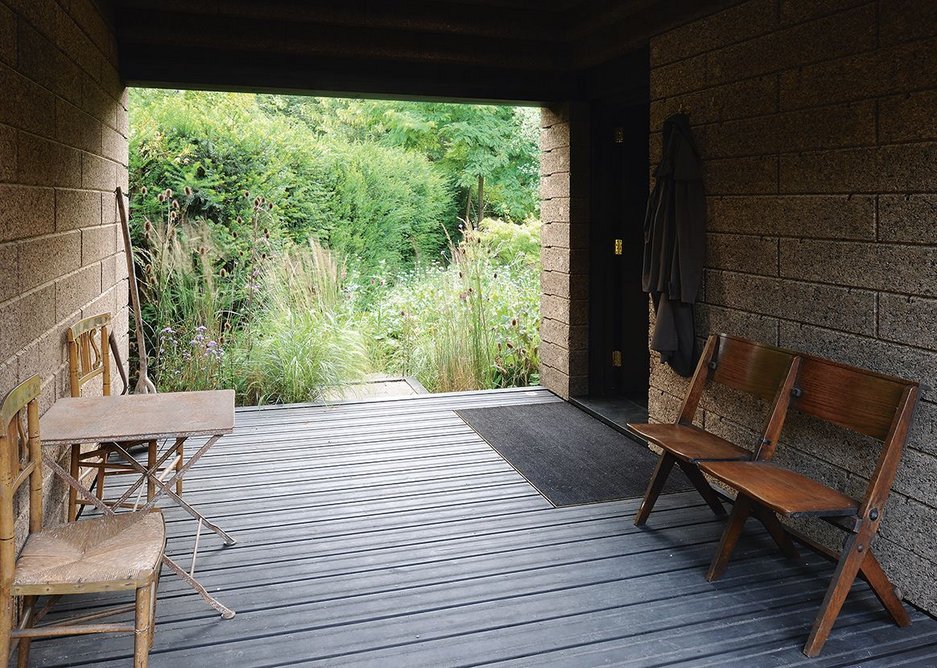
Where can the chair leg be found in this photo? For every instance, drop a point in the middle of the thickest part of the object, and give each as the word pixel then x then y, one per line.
pixel 72 494
pixel 142 626
pixel 781 538
pixel 741 509
pixel 155 596
pixel 871 571
pixel 6 627
pixel 850 561
pixel 656 484
pixel 22 654
pixel 702 486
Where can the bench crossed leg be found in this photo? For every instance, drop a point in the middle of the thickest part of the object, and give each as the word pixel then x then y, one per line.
pixel 741 509
pixel 664 466
pixel 871 571
pixel 855 559
pixel 781 538
pixel 847 568
pixel 702 486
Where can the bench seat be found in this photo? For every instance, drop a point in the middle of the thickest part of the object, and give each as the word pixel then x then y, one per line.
pixel 784 491
pixel 690 443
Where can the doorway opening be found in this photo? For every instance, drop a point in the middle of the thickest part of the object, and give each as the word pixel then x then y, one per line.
pixel 618 316
pixel 306 249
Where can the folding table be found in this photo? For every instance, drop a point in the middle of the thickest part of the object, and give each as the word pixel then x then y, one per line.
pixel 145 417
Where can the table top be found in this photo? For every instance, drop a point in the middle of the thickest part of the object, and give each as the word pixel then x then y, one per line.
pixel 138 417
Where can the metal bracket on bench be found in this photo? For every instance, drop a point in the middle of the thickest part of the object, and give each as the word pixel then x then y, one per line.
pixel 797 393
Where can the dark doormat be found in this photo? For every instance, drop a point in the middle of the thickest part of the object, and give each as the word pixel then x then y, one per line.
pixel 569 456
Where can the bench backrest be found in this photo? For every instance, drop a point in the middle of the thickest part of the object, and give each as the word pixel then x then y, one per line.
pixel 750 367
pixel 863 401
pixel 860 400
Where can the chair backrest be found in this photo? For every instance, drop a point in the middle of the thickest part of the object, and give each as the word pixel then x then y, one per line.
pixel 863 401
pixel 750 367
pixel 88 353
pixel 20 460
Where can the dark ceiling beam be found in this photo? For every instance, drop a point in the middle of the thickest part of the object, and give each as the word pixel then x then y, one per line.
pixel 511 50
pixel 307 39
pixel 411 15
pixel 210 69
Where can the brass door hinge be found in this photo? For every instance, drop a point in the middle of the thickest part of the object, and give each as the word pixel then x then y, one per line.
pixel 618 246
pixel 616 358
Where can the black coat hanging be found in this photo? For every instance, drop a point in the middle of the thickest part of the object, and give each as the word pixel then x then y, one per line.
pixel 675 245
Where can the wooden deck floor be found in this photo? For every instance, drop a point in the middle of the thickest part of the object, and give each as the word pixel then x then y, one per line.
pixel 389 534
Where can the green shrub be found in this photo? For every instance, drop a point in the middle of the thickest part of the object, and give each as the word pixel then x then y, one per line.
pixel 470 324
pixel 303 341
pixel 508 243
pixel 364 200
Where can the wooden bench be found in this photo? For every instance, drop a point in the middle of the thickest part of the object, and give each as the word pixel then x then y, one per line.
pixel 865 402
pixel 749 367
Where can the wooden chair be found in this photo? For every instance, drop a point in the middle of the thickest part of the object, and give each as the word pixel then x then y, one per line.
pixel 110 553
pixel 869 403
pixel 88 358
pixel 753 368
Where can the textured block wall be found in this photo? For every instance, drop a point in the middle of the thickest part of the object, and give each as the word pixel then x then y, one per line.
pixel 564 281
pixel 818 125
pixel 63 150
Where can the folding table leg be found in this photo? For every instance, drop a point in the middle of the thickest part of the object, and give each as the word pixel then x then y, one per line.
pixel 151 451
pixel 180 452
pixel 75 459
pixel 166 488
pixel 226 612
pixel 144 477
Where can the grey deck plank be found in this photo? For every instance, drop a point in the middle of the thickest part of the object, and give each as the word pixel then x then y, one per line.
pixel 386 533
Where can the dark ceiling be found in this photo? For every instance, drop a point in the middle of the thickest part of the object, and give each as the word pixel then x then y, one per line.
pixel 466 49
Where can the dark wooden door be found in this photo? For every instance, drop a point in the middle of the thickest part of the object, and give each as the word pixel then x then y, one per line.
pixel 618 354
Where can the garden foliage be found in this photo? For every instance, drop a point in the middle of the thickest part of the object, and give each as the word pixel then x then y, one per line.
pixel 289 245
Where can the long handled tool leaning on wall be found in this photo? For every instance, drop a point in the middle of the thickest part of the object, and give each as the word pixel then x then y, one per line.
pixel 144 384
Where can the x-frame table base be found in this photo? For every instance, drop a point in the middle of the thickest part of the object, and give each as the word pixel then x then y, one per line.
pixel 164 487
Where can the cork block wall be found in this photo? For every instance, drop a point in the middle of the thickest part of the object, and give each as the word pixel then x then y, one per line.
pixel 564 280
pixel 63 150
pixel 816 122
